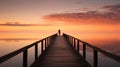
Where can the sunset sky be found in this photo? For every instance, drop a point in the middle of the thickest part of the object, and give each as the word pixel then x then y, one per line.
pixel 39 18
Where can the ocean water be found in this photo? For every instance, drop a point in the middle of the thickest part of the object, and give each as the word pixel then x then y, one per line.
pixel 109 45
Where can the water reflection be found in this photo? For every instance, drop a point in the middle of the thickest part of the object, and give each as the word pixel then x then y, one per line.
pixel 7 47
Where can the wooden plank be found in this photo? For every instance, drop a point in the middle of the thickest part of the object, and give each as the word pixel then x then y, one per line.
pixel 60 54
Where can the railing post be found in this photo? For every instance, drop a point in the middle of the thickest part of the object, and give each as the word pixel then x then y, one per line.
pixel 84 50
pixel 69 39
pixel 41 46
pixel 25 58
pixel 95 58
pixel 50 39
pixel 36 51
pixel 72 40
pixel 78 45
pixel 74 43
pixel 45 43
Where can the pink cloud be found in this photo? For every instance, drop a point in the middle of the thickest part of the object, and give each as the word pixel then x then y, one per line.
pixel 19 24
pixel 112 16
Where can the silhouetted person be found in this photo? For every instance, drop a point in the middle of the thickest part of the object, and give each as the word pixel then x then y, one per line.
pixel 59 32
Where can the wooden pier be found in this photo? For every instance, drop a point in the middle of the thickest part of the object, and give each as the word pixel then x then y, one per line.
pixel 60 51
pixel 60 54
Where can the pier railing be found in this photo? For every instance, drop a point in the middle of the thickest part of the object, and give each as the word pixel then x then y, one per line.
pixel 76 44
pixel 44 44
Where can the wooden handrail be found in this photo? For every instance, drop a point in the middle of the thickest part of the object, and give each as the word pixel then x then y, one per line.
pixel 48 41
pixel 72 39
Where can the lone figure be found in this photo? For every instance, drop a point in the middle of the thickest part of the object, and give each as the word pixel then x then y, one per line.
pixel 59 32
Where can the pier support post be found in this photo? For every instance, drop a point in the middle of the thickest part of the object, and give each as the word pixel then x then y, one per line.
pixel 84 50
pixel 95 58
pixel 36 51
pixel 45 43
pixel 25 58
pixel 78 46
pixel 74 43
pixel 41 46
pixel 72 40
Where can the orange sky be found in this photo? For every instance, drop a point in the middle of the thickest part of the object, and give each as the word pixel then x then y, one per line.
pixel 39 18
pixel 83 31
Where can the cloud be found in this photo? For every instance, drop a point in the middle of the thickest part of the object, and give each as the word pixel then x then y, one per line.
pixel 19 24
pixel 17 39
pixel 112 7
pixel 110 16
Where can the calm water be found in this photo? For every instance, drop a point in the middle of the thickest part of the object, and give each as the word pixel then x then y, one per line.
pixel 109 45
